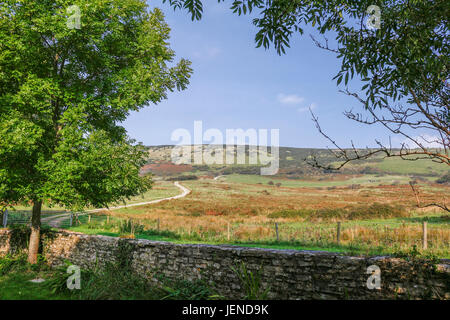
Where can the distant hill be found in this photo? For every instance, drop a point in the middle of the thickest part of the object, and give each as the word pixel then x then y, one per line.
pixel 292 163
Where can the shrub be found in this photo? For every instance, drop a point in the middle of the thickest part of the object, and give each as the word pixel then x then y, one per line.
pixel 131 226
pixel 375 210
pixel 445 179
pixel 328 213
pixel 251 283
pixel 112 281
pixel 18 263
pixel 161 233
pixel 12 263
pixel 186 290
pixel 183 178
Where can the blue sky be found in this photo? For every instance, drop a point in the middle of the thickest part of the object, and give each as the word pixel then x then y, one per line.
pixel 236 85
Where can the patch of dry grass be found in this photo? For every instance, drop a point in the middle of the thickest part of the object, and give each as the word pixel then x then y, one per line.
pixel 250 211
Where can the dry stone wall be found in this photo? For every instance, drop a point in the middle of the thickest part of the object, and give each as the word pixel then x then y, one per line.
pixel 290 274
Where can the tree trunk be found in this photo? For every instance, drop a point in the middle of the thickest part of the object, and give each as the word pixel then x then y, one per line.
pixel 33 247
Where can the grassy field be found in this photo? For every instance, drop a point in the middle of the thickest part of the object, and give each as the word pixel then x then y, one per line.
pixel 335 181
pixel 400 166
pixel 378 214
pixel 161 189
pixel 243 210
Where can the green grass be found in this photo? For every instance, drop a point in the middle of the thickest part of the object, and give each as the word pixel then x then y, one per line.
pixel 161 189
pixel 400 166
pixel 16 286
pixel 15 276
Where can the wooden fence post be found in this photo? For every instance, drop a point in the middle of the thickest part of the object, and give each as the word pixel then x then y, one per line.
pixel 158 225
pixel 425 240
pixel 71 218
pixel 276 230
pixel 89 218
pixel 5 218
pixel 338 236
pixel 228 231
pixel 107 219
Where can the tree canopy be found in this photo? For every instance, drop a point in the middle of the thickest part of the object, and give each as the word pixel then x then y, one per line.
pixel 65 91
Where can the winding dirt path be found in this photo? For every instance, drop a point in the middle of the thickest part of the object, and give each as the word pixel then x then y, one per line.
pixel 56 221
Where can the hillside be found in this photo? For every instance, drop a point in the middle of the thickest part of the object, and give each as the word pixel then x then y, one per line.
pixel 292 164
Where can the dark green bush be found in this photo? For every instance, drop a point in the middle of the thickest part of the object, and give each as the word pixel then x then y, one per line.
pixel 183 178
pixel 131 226
pixel 445 179
pixel 375 210
pixel 163 233
pixel 12 263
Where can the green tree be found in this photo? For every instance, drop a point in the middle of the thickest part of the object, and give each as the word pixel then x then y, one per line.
pixel 67 81
pixel 398 49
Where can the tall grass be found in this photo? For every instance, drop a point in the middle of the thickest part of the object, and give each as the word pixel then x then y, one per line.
pixel 250 282
pixel 385 235
pixel 373 217
pixel 113 281
pixel 372 211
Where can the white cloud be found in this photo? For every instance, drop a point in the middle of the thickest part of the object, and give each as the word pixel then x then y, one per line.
pixel 213 51
pixel 291 99
pixel 428 141
pixel 303 109
pixel 207 52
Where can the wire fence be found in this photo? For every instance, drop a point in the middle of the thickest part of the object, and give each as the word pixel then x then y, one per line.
pixel 420 233
pixel 62 219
